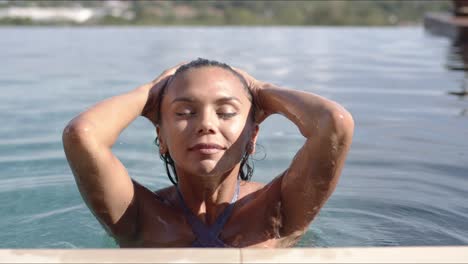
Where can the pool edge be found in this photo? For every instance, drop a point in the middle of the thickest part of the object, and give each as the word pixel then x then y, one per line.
pixel 442 254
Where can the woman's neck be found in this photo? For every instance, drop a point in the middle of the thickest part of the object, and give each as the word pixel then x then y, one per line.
pixel 207 197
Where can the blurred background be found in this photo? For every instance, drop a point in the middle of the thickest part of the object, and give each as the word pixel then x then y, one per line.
pixel 398 66
pixel 186 12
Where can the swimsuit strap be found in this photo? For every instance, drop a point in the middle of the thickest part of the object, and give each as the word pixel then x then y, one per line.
pixel 208 236
pixel 222 219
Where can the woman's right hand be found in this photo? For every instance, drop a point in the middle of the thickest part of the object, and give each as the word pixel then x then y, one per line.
pixel 153 89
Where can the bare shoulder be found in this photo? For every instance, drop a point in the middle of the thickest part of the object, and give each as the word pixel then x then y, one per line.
pixel 164 195
pixel 268 192
pixel 249 186
pixel 160 220
pixel 140 189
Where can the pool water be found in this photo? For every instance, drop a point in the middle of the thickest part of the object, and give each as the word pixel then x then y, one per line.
pixel 406 177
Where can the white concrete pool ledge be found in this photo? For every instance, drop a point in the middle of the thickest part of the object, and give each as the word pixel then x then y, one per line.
pixel 446 254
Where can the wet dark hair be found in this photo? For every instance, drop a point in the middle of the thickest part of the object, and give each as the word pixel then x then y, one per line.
pixel 246 166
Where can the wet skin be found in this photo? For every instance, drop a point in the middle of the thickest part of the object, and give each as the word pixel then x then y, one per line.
pixel 206 127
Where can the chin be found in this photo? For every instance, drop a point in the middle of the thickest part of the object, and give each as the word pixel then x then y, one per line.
pixel 205 168
pixel 210 168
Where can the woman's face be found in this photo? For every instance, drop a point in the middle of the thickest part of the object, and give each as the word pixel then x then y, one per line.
pixel 206 124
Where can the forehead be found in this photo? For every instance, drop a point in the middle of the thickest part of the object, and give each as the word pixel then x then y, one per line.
pixel 207 82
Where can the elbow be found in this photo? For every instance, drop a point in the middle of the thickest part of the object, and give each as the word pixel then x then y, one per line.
pixel 338 121
pixel 76 131
pixel 343 122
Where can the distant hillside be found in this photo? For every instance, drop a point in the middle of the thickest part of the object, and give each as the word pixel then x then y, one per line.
pixel 184 12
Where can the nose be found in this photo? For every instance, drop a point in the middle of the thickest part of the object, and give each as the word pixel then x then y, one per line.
pixel 207 123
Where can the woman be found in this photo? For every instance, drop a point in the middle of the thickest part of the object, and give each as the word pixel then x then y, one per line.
pixel 207 118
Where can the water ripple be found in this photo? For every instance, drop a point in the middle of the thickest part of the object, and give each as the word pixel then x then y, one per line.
pixel 35 217
pixel 18 184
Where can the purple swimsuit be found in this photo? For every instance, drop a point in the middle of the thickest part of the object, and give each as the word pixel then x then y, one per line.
pixel 207 236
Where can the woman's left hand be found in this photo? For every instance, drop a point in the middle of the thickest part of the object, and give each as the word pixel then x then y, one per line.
pixel 255 86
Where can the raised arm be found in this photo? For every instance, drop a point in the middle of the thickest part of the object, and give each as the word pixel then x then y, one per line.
pixel 314 172
pixel 102 180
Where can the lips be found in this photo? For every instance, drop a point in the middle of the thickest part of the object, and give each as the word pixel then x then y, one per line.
pixel 206 148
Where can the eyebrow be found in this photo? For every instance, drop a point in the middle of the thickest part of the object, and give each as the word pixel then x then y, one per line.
pixel 219 100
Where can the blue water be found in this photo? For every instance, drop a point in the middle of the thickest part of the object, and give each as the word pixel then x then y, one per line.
pixel 406 178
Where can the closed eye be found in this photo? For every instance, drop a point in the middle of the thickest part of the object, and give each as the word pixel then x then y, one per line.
pixel 226 115
pixel 185 114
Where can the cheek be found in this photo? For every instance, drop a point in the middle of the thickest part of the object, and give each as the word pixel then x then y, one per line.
pixel 177 132
pixel 234 130
pixel 237 132
pixel 172 131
